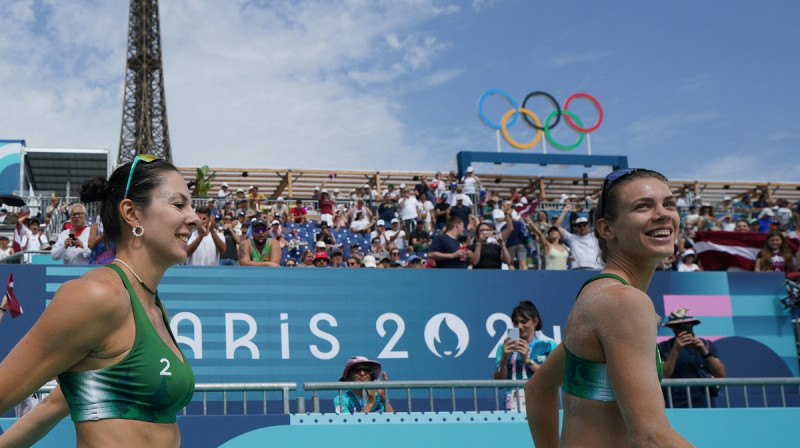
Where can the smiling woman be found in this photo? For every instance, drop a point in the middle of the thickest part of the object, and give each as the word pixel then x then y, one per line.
pixel 359 368
pixel 609 362
pixel 106 335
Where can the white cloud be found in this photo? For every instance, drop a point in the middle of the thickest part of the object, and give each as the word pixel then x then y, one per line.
pixel 575 58
pixel 283 84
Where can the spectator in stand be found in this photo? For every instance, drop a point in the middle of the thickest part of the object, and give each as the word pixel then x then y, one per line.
pixel 519 359
pixel 223 192
pixel 543 221
pixel 34 239
pixel 556 255
pixel 315 194
pixel 355 250
pixel 441 212
pixel 743 207
pixel 707 220
pixel 439 185
pixel 420 240
pixel 378 250
pixel 244 207
pixel 687 356
pixel 360 224
pixel 394 256
pixel 414 262
pixel 461 210
pixel 425 212
pixel 583 242
pixel 514 236
pixel 727 224
pixel 783 216
pixel 446 248
pixel 488 252
pixel 5 249
pixel 353 262
pixel 687 263
pixel 380 233
pixel 255 198
pixel 765 219
pixel 241 224
pixel 470 185
pixel 321 259
pixel 390 193
pixel 103 250
pixel 326 206
pixel 691 219
pixel 299 212
pixel 397 236
pixel 776 256
pixel 231 255
pixel 260 250
pixel 336 258
pixel 206 242
pixel 422 187
pixel 339 217
pixel 325 235
pixel 54 211
pixel 239 196
pixel 280 211
pixel 307 259
pixel 290 263
pixel 73 244
pixel 360 206
pixel 408 205
pixel 452 193
pixel 742 226
pixel 359 368
pixel 387 210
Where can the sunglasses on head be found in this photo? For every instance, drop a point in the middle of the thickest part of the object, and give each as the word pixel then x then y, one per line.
pixel 146 158
pixel 609 180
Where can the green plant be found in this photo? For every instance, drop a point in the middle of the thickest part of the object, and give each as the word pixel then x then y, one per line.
pixel 202 182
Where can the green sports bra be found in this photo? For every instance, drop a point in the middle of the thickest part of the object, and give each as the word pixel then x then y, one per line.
pixel 150 384
pixel 589 379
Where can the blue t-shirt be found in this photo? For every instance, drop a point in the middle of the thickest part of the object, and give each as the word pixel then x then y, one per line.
pixel 515 238
pixel 354 403
pixel 538 351
pixel 445 244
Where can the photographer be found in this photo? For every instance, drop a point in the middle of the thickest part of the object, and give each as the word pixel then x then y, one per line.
pixel 687 356
pixel 488 252
pixel 73 244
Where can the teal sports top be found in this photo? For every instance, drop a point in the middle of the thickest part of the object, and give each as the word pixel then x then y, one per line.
pixel 589 379
pixel 150 384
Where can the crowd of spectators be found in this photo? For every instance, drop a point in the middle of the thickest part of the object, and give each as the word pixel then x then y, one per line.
pixel 442 222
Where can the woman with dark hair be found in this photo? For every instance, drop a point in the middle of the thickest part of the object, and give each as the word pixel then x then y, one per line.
pixel 521 356
pixel 609 362
pixel 488 252
pixel 776 256
pixel 106 335
pixel 361 369
pixel 556 255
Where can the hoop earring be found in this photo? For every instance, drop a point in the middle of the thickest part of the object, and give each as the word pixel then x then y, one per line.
pixel 137 231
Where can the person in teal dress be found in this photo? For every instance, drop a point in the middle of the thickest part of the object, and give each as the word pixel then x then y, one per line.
pixel 608 362
pixel 361 369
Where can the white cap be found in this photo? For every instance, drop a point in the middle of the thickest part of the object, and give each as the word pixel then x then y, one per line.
pixel 335 190
pixel 582 220
pixel 514 215
pixel 395 221
pixel 324 191
pixel 365 186
pixel 461 197
pixel 766 212
pixel 320 244
pixel 380 223
pixel 280 199
pixel 524 200
pixel 275 221
pixel 224 185
pixel 498 214
pixel 402 186
pixel 726 198
pixel 469 169
pixel 250 187
pixel 369 261
pixel 316 188
pixel 687 252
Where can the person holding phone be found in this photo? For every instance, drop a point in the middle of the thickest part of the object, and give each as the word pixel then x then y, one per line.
pixel 359 368
pixel 73 244
pixel 524 349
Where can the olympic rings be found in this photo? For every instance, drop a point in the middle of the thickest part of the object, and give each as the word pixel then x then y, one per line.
pixel 510 117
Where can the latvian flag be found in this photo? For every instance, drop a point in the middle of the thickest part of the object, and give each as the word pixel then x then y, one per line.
pixel 718 251
pixel 12 304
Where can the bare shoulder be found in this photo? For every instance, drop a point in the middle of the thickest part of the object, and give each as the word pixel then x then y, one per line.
pixel 612 306
pixel 98 293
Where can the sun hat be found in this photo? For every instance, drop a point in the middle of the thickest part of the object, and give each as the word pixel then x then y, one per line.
pixel 680 316
pixel 355 360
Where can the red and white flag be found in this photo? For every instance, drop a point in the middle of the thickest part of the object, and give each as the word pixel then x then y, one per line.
pixel 12 304
pixel 721 250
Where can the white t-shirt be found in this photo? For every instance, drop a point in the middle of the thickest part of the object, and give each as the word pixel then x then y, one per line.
pixel 426 206
pixel 358 225
pixel 683 267
pixel 408 208
pixel 400 241
pixel 585 249
pixel 469 185
pixel 34 242
pixel 206 253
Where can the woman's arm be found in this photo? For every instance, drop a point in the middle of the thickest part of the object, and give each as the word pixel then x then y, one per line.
pixel 94 236
pixel 38 422
pixel 541 400
pixel 629 344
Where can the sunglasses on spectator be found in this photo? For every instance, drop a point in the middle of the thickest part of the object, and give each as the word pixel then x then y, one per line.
pixel 362 369
pixel 609 180
pixel 146 158
pixel 260 230
pixel 352 264
pixel 395 253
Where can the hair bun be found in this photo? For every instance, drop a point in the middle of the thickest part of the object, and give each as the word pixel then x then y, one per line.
pixel 95 189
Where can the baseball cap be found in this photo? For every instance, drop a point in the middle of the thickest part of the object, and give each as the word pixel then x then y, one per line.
pixel 395 221
pixel 582 220
pixel 224 185
pixel 687 252
pixel 414 259
pixel 240 214
pixel 461 197
pixel 320 255
pixel 280 199
pixel 470 169
pixel 259 223
pixel 369 262
pixel 380 223
pixel 275 221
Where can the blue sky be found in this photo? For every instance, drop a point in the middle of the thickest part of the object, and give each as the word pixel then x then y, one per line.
pixel 697 90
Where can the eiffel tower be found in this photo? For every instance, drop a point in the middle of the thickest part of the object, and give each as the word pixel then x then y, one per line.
pixel 144 107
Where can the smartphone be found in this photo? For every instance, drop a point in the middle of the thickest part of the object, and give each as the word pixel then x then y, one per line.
pixel 513 333
pixel 72 236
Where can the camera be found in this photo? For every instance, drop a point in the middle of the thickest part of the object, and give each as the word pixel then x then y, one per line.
pixel 687 327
